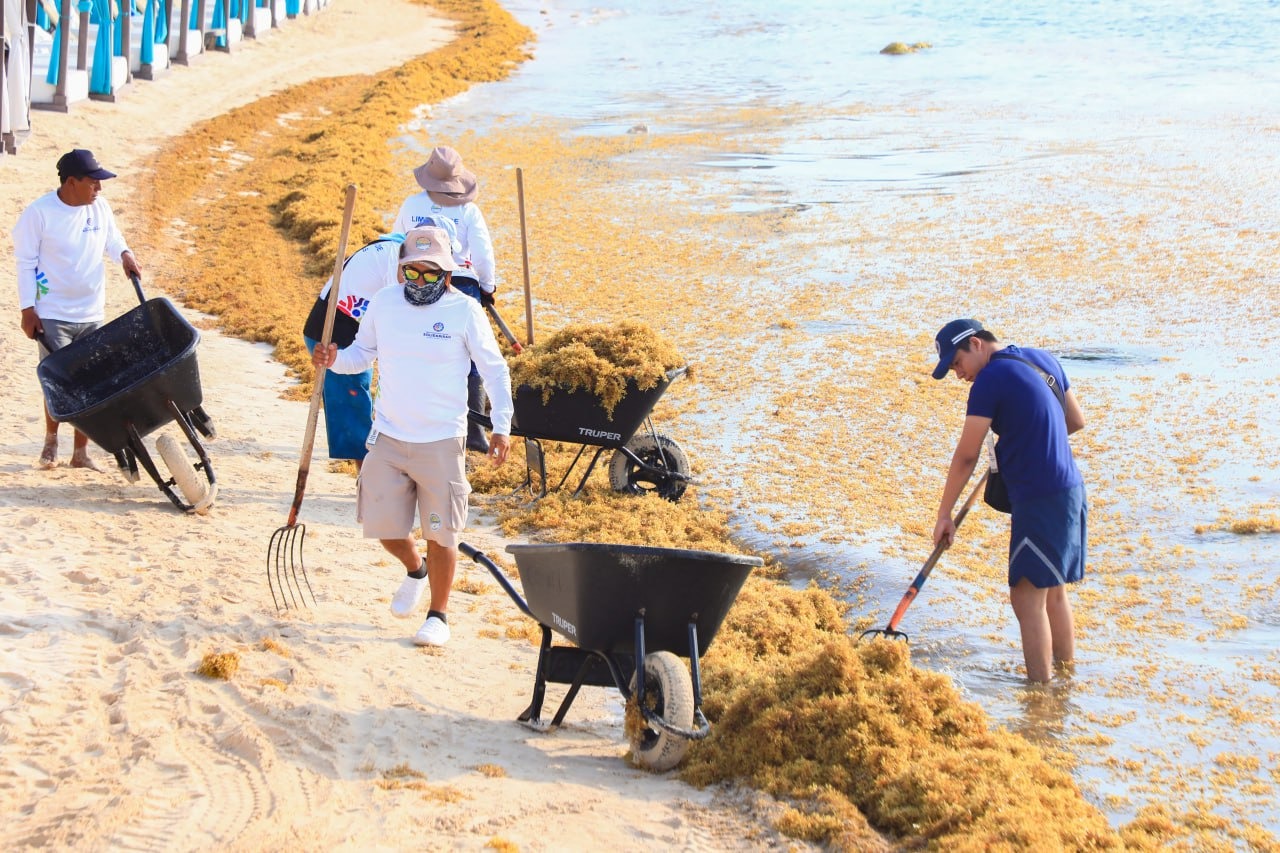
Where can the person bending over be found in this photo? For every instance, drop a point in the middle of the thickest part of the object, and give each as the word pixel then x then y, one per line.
pixel 1012 394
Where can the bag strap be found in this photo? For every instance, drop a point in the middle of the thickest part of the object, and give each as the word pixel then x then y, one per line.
pixel 1049 379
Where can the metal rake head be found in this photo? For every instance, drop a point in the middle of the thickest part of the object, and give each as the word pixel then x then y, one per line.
pixel 887 633
pixel 284 564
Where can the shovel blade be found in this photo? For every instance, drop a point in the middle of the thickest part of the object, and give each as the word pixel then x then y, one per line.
pixel 286 570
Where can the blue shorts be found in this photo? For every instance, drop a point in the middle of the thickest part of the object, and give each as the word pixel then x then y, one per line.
pixel 1048 540
pixel 348 411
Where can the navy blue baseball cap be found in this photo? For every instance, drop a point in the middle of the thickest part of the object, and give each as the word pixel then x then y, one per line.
pixel 80 163
pixel 948 341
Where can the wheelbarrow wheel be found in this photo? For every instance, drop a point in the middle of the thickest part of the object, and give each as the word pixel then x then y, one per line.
pixel 669 694
pixel 657 451
pixel 180 467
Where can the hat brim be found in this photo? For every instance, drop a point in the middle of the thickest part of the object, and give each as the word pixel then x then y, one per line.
pixel 944 365
pixel 452 199
pixel 463 182
pixel 96 174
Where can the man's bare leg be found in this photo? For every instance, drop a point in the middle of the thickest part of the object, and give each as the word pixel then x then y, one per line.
pixel 49 454
pixel 442 563
pixel 80 453
pixel 1033 622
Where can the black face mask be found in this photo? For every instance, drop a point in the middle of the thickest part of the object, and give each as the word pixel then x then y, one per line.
pixel 423 294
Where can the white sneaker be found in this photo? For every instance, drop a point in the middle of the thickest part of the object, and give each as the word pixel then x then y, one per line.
pixel 432 633
pixel 408 596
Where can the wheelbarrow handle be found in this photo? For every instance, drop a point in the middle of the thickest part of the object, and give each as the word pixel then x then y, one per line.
pixel 137 287
pixel 498 575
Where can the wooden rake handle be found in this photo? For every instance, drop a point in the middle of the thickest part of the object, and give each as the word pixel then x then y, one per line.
pixel 331 308
pixel 923 575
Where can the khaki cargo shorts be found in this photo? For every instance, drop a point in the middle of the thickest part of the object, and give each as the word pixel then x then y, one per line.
pixel 399 477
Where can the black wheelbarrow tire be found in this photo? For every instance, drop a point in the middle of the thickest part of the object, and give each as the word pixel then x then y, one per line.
pixel 669 690
pixel 184 473
pixel 658 451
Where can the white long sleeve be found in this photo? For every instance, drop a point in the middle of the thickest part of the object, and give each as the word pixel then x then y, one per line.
pixel 370 269
pixel 476 252
pixel 59 250
pixel 424 353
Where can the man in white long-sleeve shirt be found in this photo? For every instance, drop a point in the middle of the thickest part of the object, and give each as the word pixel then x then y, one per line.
pixel 59 243
pixel 449 191
pixel 425 336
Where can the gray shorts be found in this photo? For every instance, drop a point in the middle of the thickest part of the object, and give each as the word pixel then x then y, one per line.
pixel 59 333
pixel 399 476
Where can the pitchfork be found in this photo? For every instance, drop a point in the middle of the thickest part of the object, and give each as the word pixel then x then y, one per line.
pixel 284 554
pixel 891 630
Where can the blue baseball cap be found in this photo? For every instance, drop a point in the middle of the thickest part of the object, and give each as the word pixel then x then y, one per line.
pixel 948 341
pixel 80 163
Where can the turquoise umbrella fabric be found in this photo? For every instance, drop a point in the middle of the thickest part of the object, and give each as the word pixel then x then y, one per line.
pixel 161 16
pixel 103 49
pixel 58 34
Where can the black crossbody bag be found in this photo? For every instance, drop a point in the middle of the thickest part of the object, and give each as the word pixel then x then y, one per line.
pixel 996 493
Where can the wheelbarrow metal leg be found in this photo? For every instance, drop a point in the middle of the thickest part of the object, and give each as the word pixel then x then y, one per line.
pixel 590 467
pixel 574 464
pixel 535 458
pixel 640 656
pixel 573 692
pixel 695 669
pixel 533 713
pixel 695 672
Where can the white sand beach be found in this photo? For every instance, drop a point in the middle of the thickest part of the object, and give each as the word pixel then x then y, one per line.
pixel 336 732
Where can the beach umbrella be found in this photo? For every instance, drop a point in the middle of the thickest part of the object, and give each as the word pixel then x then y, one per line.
pixel 43 19
pixel 15 75
pixel 100 76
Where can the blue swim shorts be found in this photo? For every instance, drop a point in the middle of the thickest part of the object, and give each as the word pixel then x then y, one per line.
pixel 348 411
pixel 1048 540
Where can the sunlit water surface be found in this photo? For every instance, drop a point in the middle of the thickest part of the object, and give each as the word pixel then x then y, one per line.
pixel 1136 140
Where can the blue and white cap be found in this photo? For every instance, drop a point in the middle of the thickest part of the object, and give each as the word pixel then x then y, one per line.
pixel 948 341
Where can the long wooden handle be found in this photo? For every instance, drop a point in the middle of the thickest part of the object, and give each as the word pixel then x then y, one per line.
pixel 942 545
pixel 506 332
pixel 524 249
pixel 331 308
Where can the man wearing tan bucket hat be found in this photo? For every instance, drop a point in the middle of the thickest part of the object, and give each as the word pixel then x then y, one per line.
pixel 449 190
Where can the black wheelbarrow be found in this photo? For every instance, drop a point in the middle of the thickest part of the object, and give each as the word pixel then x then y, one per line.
pixel 128 379
pixel 619 604
pixel 644 460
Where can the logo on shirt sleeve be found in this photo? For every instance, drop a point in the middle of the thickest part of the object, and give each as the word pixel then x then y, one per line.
pixel 353 306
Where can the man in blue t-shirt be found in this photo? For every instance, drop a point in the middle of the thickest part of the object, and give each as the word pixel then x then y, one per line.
pixel 1014 396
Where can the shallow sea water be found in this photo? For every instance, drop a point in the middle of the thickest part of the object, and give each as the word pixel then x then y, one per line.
pixel 1095 180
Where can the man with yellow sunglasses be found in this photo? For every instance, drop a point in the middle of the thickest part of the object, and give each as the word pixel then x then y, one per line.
pixel 424 335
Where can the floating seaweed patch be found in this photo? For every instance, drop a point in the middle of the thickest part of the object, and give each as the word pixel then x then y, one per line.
pixel 899 48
